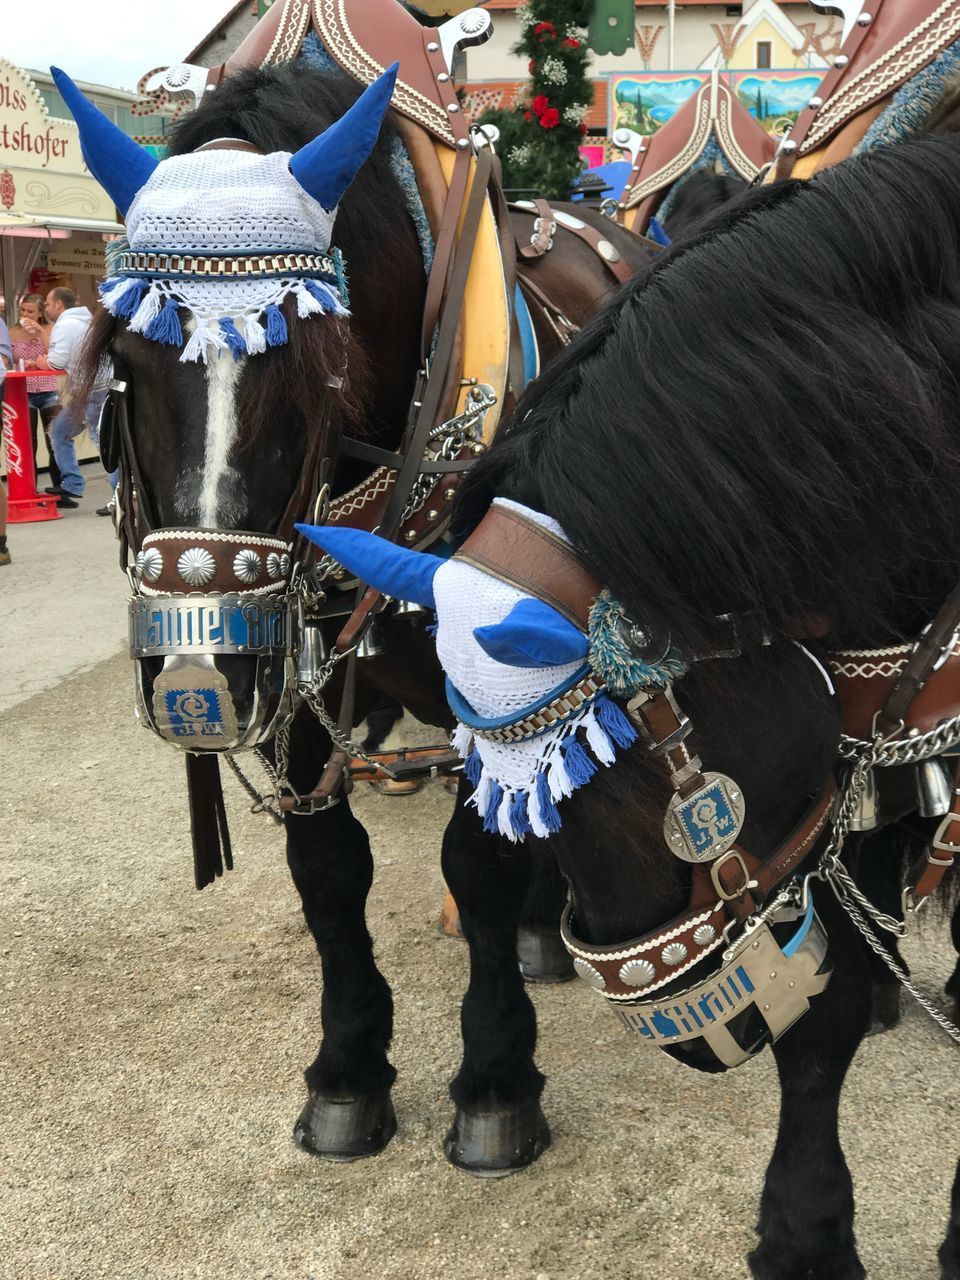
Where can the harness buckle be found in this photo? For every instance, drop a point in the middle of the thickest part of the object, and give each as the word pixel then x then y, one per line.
pixel 732 856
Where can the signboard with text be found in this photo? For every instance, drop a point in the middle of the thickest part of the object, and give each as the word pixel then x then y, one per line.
pixel 43 170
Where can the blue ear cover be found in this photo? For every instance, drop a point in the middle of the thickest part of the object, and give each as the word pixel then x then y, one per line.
pixel 119 164
pixel 326 166
pixel 396 571
pixel 532 635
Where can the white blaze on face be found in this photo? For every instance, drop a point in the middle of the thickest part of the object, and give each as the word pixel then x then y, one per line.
pixel 223 376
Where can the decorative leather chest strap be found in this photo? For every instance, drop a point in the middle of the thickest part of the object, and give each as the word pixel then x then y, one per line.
pixel 534 560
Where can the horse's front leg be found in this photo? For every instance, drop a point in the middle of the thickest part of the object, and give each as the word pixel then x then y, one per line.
pixel 498 1126
pixel 806 1211
pixel 348 1113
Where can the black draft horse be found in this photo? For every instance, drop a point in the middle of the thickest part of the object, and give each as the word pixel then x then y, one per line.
pixel 283 395
pixel 767 422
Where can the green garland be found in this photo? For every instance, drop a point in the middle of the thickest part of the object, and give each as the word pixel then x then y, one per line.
pixel 540 137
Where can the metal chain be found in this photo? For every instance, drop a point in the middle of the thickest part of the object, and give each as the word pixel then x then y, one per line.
pixel 877 946
pixel 910 750
pixel 858 907
pixel 266 802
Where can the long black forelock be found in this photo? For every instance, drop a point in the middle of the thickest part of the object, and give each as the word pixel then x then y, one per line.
pixel 769 419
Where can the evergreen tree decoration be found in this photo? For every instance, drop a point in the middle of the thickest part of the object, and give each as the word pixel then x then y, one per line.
pixel 540 137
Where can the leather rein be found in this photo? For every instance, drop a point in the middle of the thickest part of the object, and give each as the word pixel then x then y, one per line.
pixel 738 884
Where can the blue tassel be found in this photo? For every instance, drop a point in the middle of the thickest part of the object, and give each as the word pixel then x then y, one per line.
pixel 473 767
pixel 549 814
pixel 614 723
pixel 129 302
pixel 165 326
pixel 321 295
pixel 490 822
pixel 519 819
pixel 234 339
pixel 579 766
pixel 276 326
pixel 114 282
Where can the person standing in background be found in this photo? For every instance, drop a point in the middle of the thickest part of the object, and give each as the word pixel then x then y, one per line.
pixel 70 324
pixel 6 360
pixel 31 338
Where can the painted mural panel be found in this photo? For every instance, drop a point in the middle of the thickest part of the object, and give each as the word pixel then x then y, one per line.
pixel 646 100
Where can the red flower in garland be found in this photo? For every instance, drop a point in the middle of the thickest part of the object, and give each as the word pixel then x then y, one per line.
pixel 570 43
pixel 550 118
pixel 531 66
pixel 540 103
pixel 543 29
pixel 528 116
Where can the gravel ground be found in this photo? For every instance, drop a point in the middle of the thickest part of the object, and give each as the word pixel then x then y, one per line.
pixel 154 1037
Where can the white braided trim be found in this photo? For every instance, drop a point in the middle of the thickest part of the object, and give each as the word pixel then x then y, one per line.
pixel 210 535
pixel 330 19
pixel 888 72
pixel 631 953
pixel 277 588
pixel 290 33
pixel 356 499
pixel 641 994
pixel 723 126
pixel 681 162
pixel 890 662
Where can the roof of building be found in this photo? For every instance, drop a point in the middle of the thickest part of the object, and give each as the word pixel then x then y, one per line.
pixel 217 26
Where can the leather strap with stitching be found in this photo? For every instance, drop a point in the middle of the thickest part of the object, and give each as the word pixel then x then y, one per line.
pixel 534 560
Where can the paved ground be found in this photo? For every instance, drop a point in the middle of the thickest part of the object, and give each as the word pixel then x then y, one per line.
pixel 153 1038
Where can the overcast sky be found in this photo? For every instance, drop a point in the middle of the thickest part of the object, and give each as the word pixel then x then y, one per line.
pixel 110 42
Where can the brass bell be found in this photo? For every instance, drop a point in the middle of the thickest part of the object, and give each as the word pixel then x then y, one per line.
pixel 314 652
pixel 372 644
pixel 865 815
pixel 409 609
pixel 934 789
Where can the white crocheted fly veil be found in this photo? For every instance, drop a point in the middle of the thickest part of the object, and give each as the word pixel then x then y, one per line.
pixel 219 204
pixel 507 656
pixel 517 786
pixel 274 212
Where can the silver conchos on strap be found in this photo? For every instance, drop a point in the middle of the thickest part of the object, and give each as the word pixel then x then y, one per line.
pixel 704 825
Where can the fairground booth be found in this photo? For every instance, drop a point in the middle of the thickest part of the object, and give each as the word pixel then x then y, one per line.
pixel 55 219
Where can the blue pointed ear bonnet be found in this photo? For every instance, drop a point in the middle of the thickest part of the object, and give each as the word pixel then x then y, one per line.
pixel 506 656
pixel 228 203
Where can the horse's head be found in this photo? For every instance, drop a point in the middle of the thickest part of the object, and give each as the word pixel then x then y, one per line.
pixel 225 318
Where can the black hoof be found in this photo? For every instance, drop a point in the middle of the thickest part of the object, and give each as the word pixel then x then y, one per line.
pixel 543 957
pixel 886 1008
pixel 493 1144
pixel 345 1128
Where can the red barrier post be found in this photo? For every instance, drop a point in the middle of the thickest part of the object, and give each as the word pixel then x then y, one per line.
pixel 24 504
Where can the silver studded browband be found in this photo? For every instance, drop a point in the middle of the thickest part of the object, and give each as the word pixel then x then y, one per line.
pixel 225 268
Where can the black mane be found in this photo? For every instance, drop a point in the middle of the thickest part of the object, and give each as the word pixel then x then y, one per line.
pixel 769 418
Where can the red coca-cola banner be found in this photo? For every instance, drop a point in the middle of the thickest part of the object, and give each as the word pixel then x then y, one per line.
pixel 24 503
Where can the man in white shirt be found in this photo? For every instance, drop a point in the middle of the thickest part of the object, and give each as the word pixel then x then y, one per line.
pixel 69 330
